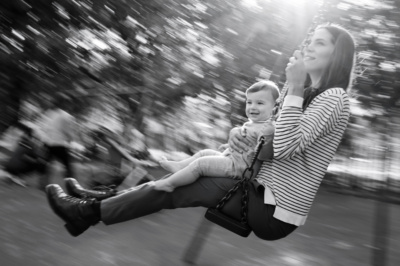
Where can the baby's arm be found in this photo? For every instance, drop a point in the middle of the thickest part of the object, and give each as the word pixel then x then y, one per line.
pixel 267 129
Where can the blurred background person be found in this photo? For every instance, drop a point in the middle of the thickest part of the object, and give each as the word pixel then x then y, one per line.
pixel 26 156
pixel 57 131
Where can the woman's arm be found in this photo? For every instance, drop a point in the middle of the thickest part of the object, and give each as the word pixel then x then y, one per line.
pixel 296 131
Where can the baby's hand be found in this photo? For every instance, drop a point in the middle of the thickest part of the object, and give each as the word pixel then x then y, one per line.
pixel 243 131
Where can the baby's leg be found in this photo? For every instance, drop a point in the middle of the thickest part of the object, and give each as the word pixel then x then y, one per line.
pixel 175 166
pixel 215 166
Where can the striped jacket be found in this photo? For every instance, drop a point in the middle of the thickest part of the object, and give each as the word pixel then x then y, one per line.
pixel 304 145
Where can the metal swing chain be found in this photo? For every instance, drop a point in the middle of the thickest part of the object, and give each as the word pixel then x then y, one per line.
pixel 245 184
pixel 244 181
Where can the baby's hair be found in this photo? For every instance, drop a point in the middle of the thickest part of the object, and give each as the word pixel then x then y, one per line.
pixel 266 85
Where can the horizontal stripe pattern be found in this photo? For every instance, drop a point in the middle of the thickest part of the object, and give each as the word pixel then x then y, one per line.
pixel 304 145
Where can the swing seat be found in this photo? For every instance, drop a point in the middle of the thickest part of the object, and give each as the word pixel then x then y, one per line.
pixel 216 216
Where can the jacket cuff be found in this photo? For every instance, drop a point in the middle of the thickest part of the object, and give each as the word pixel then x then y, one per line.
pixel 293 101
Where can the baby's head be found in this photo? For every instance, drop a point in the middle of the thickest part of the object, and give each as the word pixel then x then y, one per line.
pixel 260 99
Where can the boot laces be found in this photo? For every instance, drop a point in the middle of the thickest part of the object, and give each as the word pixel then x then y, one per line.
pixel 105 189
pixel 102 189
pixel 72 199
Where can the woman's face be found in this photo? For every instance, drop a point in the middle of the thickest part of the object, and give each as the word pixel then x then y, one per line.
pixel 318 52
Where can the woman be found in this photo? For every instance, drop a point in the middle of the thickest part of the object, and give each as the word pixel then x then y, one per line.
pixel 308 132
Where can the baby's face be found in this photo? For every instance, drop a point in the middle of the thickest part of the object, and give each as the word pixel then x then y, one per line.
pixel 259 105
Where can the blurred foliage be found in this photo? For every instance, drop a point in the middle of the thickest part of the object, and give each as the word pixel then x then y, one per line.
pixel 140 58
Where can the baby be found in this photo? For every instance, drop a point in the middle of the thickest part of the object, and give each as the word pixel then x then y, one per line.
pixel 260 100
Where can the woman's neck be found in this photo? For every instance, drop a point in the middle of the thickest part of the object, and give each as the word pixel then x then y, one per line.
pixel 315 79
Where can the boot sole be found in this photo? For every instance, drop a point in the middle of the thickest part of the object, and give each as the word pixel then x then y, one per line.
pixel 71 228
pixel 69 186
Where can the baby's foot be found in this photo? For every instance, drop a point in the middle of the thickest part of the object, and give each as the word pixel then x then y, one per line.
pixel 170 166
pixel 163 185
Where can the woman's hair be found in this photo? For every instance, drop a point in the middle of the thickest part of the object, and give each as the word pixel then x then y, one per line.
pixel 266 85
pixel 341 63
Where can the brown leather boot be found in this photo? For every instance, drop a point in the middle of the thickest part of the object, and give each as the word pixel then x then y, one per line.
pixel 75 189
pixel 79 214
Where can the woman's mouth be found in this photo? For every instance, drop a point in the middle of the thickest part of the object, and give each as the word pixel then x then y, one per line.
pixel 308 58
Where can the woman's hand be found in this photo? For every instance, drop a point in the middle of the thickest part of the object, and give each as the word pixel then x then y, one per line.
pixel 238 142
pixel 296 74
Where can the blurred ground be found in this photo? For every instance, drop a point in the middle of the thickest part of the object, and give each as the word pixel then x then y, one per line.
pixel 339 231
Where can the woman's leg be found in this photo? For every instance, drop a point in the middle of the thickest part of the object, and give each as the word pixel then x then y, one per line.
pixel 205 192
pixel 175 166
pixel 144 199
pixel 216 166
pixel 80 214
